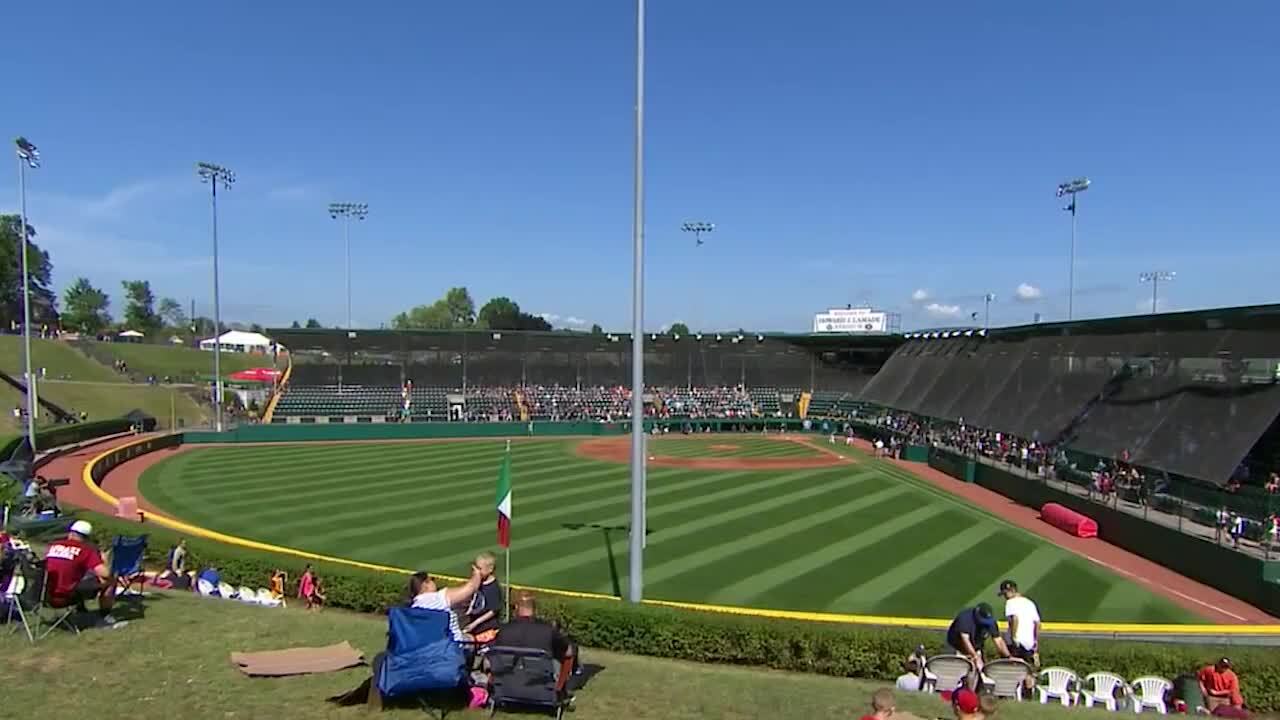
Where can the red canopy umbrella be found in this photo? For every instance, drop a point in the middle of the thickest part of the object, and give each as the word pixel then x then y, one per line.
pixel 262 375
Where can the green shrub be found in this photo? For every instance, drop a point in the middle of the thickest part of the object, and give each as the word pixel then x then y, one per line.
pixel 827 648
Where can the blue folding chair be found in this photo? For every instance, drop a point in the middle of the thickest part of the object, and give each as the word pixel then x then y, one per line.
pixel 126 562
pixel 421 657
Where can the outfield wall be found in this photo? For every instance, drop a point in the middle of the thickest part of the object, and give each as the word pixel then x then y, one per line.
pixel 323 432
pixel 1251 579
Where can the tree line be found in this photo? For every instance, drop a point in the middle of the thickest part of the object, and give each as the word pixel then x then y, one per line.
pixel 457 311
pixel 86 309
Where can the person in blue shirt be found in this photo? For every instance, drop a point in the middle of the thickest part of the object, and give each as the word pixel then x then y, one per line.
pixel 969 632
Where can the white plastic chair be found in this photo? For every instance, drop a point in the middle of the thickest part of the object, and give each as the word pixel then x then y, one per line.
pixel 204 587
pixel 1006 677
pixel 1100 688
pixel 226 591
pixel 946 672
pixel 1060 687
pixel 247 594
pixel 266 599
pixel 1149 692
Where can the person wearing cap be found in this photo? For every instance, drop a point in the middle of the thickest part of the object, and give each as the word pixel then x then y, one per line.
pixel 966 705
pixel 1024 623
pixel 1220 686
pixel 76 572
pixel 969 631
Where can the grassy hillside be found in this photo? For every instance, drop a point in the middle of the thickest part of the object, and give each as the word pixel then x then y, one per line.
pixel 107 400
pixel 58 359
pixel 182 364
pixel 174 660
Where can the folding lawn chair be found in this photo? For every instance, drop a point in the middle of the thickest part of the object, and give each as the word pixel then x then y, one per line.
pixel 421 658
pixel 247 594
pixel 525 677
pixel 63 611
pixel 18 599
pixel 126 562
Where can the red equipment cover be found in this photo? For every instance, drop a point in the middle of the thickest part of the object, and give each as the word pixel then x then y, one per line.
pixel 1069 520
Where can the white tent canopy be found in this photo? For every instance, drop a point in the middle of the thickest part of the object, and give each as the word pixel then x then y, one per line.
pixel 131 334
pixel 239 341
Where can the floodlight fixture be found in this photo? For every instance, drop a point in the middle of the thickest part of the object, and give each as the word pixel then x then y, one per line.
pixel 347 211
pixel 697 228
pixel 1072 188
pixel 1155 277
pixel 215 175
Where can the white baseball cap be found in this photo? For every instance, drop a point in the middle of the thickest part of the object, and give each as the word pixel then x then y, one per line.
pixel 80 527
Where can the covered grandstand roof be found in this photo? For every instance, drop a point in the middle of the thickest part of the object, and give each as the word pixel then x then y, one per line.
pixel 340 341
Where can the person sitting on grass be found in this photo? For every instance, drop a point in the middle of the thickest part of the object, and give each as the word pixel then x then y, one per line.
pixel 424 594
pixel 318 597
pixel 1220 687
pixel 76 573
pixel 913 679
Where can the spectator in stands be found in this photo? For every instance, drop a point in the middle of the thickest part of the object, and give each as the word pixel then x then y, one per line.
pixel 486 605
pixel 527 631
pixel 424 594
pixel 77 572
pixel 1273 484
pixel 969 631
pixel 1237 529
pixel 1220 686
pixel 882 705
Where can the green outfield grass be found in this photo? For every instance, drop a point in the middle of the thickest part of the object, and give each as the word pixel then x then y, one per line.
pixel 866 537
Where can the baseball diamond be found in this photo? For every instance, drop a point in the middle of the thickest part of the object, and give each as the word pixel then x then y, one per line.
pixel 852 535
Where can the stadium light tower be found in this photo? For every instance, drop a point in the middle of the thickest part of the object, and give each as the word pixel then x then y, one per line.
pixel 635 583
pixel 697 228
pixel 1155 277
pixel 215 175
pixel 987 300
pixel 1072 188
pixel 346 211
pixel 28 157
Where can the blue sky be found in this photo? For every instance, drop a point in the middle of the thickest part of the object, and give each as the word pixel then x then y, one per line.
pixel 848 152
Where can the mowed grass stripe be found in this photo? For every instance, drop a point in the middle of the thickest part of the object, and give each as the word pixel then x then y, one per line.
pixel 393 506
pixel 666 560
pixel 548 531
pixel 744 591
pixel 670 523
pixel 389 536
pixel 804 540
pixel 342 484
pixel 823 587
pixel 248 476
pixel 202 468
pixel 938 589
pixel 1072 591
pixel 1026 572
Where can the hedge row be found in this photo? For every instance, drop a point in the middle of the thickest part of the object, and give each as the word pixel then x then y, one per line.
pixel 826 648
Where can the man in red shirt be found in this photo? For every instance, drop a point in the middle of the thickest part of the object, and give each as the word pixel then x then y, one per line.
pixel 76 572
pixel 1220 686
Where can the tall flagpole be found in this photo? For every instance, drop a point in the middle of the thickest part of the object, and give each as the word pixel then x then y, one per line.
pixel 506 606
pixel 635 586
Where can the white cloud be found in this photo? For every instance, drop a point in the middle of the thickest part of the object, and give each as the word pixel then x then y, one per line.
pixel 571 320
pixel 920 295
pixel 118 199
pixel 549 317
pixel 1027 293
pixel 289 192
pixel 939 310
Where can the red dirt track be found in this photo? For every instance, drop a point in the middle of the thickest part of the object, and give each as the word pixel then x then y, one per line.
pixel 618 450
pixel 1203 600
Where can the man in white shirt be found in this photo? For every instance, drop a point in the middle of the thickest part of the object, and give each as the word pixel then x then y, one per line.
pixel 428 597
pixel 1024 624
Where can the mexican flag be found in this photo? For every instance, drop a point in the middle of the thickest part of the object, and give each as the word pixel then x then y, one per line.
pixel 504 500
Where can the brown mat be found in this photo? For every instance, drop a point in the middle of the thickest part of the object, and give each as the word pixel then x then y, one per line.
pixel 298 661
